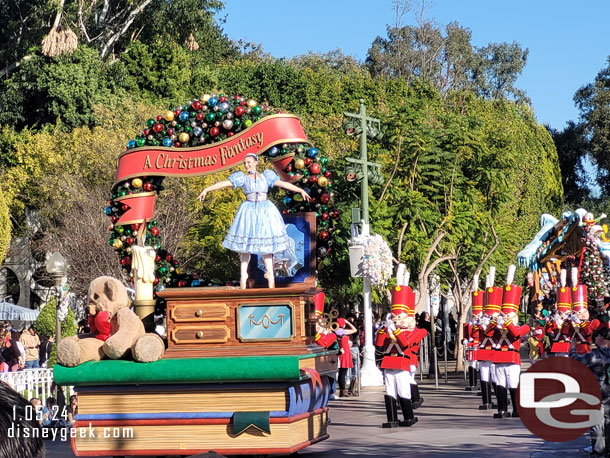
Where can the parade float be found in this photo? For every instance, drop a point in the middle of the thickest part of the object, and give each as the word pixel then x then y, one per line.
pixel 578 245
pixel 246 370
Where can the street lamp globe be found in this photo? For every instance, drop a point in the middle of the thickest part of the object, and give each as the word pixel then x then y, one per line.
pixel 56 266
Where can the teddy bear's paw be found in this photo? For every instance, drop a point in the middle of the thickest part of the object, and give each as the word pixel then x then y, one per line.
pixel 68 353
pixel 148 348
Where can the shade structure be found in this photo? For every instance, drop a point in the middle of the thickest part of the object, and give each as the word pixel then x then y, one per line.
pixel 10 311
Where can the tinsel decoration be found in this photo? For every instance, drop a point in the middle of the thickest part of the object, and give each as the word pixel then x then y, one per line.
pixel 204 121
pixel 377 260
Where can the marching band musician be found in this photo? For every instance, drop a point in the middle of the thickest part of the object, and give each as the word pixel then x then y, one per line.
pixel 559 327
pixel 506 357
pixel 472 335
pixel 488 334
pixel 396 342
pixel 325 337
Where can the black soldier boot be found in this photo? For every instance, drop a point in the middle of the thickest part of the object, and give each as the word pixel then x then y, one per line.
pixel 485 393
pixel 407 412
pixel 416 398
pixel 513 399
pixel 502 399
pixel 391 410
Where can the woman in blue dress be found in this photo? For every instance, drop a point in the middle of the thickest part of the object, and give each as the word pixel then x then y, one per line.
pixel 258 227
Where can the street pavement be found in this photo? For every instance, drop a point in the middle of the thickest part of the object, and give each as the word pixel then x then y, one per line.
pixel 450 424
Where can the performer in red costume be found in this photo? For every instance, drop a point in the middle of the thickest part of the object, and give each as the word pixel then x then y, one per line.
pixel 325 337
pixel 583 327
pixel 506 358
pixel 559 327
pixel 489 338
pixel 472 336
pixel 397 341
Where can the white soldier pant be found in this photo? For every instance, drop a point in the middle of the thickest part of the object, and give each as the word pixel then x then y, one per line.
pixel 397 383
pixel 507 374
pixel 485 369
pixel 473 364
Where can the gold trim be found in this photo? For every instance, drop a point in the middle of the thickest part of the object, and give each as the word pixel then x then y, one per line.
pixel 133 196
pixel 292 323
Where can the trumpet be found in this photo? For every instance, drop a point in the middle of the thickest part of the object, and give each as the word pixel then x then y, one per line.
pixel 326 319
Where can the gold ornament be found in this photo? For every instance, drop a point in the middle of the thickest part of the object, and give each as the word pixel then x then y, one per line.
pixel 136 183
pixel 179 270
pixel 168 115
pixel 323 181
pixel 299 164
pixel 117 244
pixel 252 103
pixel 205 97
pixel 184 137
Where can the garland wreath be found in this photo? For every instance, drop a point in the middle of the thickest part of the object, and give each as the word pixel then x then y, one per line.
pixel 201 122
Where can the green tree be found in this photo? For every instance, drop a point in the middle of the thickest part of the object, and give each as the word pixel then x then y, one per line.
pixel 593 101
pixel 5 225
pixel 45 323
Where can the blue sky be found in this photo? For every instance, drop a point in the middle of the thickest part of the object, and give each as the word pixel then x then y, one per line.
pixel 567 40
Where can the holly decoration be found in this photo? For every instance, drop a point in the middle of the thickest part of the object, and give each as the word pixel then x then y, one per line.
pixel 200 122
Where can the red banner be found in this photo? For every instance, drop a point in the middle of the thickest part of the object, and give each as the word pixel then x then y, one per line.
pixel 141 208
pixel 202 160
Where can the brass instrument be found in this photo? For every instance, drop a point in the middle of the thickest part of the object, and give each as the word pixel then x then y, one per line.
pixel 326 320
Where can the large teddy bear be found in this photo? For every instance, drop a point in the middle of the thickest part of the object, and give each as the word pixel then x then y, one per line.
pixel 115 329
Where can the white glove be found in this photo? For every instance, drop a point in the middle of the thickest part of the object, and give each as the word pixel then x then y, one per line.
pixel 464 341
pixel 538 332
pixel 500 320
pixel 576 320
pixel 391 326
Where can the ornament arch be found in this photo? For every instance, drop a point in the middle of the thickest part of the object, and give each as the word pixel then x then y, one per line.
pixel 201 137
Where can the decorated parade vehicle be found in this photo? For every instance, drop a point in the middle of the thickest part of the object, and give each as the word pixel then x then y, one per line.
pixel 245 369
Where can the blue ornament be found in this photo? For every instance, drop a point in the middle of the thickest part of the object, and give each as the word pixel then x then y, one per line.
pixel 287 200
pixel 183 116
pixel 131 144
pixel 108 211
pixel 195 283
pixel 197 131
pixel 160 288
pixel 273 151
pixel 167 142
pixel 307 190
pixel 212 101
pixel 313 152
pixel 224 106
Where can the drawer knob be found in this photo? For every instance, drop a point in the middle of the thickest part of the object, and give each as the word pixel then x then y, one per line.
pixel 199 334
pixel 199 312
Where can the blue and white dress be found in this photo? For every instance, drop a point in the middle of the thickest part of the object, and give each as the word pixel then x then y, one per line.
pixel 258 227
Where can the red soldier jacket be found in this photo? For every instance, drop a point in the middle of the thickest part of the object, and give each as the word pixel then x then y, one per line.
pixel 489 339
pixel 509 343
pixel 414 338
pixel 561 337
pixel 583 335
pixel 398 352
pixel 473 333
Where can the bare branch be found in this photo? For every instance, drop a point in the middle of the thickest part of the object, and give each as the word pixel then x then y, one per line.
pixel 385 188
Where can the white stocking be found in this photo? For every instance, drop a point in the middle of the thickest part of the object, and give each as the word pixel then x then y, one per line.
pixel 270 275
pixel 244 259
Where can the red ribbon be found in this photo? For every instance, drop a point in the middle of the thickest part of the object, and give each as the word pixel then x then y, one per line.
pixel 315 377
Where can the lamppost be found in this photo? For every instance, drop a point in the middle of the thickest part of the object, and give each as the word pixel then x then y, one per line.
pixel 56 267
pixel 365 127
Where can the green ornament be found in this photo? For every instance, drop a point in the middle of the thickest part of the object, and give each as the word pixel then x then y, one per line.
pixel 119 229
pixel 248 122
pixel 163 270
pixel 141 141
pixel 256 110
pixel 237 122
pixel 210 117
pixel 324 160
pixel 151 122
pixel 110 242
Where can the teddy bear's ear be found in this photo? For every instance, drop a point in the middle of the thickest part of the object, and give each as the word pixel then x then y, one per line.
pixel 110 290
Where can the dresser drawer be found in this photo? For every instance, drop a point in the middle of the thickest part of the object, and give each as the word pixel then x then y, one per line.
pixel 189 335
pixel 189 313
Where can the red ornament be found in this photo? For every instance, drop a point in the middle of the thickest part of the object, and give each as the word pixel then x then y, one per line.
pixel 156 281
pixel 135 226
pixel 222 99
pixel 177 144
pixel 130 240
pixel 157 258
pixel 288 168
pixel 325 198
pixel 114 219
pixel 199 116
pixel 154 231
pixel 328 173
pixel 147 186
pixel 126 261
pixel 145 132
pixel 125 207
pixel 214 131
pixel 314 168
pixel 307 161
pixel 169 258
pixel 313 178
pixel 230 134
pixel 159 117
pixel 182 283
pixel 177 112
pixel 325 216
pixel 157 128
pixel 323 235
pixel 239 111
pixel 170 131
pixel 243 102
pixel 196 105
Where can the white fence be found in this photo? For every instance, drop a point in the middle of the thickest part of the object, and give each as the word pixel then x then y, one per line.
pixel 34 383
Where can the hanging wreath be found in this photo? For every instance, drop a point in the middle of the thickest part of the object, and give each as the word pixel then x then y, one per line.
pixel 216 118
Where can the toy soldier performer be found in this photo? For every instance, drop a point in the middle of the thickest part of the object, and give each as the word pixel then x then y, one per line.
pixel 559 327
pixel 583 327
pixel 394 340
pixel 506 358
pixel 472 336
